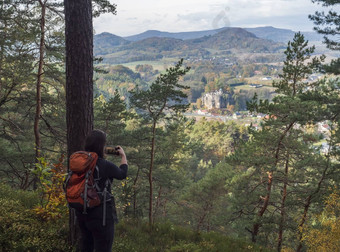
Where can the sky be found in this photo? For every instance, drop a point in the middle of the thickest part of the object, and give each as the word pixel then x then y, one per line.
pixel 137 16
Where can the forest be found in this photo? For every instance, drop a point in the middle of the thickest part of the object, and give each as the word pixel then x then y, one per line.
pixel 192 185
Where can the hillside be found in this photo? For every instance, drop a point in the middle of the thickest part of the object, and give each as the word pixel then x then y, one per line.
pixel 281 35
pixel 156 44
pixel 116 50
pixel 134 236
pixel 236 38
pixel 271 33
pixel 266 32
pixel 105 42
pixel 176 35
pixel 23 230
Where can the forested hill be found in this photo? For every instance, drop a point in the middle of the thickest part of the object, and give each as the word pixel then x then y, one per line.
pixel 106 39
pixel 115 49
pixel 265 32
pixel 237 38
pixel 281 35
pixel 177 35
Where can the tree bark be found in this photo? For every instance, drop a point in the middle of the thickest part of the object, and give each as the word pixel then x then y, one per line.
pixel 283 210
pixel 79 80
pixel 135 192
pixel 38 86
pixel 308 204
pixel 79 72
pixel 257 225
pixel 150 173
pixel 158 202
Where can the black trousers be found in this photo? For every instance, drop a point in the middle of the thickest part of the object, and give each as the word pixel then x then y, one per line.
pixel 95 236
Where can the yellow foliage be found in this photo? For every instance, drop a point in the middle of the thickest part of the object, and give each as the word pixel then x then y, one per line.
pixel 284 249
pixel 54 202
pixel 324 234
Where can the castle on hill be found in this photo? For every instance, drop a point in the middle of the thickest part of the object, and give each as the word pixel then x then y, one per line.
pixel 217 99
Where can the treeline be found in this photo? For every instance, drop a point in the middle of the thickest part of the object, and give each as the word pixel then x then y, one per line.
pixel 277 186
pixel 116 50
pixel 200 81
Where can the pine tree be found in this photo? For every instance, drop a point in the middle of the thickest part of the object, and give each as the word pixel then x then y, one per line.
pixel 164 98
pixel 275 157
pixel 17 60
pixel 329 25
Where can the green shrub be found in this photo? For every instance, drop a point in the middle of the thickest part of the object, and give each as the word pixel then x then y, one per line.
pixel 22 230
pixel 184 246
pixel 136 236
pixel 27 199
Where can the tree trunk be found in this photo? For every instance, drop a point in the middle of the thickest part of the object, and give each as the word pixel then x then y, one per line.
pixel 158 202
pixel 257 225
pixel 38 86
pixel 302 222
pixel 283 212
pixel 79 79
pixel 79 72
pixel 308 204
pixel 150 173
pixel 135 193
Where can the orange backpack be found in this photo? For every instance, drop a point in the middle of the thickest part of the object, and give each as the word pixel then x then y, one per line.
pixel 80 186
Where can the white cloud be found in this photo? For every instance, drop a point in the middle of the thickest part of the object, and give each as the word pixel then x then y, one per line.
pixel 135 16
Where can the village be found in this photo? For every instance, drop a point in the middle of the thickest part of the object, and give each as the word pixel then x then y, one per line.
pixel 214 106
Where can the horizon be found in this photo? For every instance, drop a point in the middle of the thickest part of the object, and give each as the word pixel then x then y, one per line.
pixel 269 26
pixel 135 17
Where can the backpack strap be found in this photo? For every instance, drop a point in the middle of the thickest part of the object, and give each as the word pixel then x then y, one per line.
pixel 67 180
pixel 85 192
pixel 105 192
pixel 96 180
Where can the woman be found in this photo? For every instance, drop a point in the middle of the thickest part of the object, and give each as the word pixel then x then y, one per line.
pixel 97 234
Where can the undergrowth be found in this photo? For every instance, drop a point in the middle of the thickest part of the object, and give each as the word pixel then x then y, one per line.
pixel 22 229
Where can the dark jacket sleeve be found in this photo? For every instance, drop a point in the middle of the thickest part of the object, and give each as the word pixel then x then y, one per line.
pixel 116 172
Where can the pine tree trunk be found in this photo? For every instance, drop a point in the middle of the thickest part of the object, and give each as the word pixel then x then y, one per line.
pixel 257 225
pixel 79 72
pixel 303 220
pixel 79 79
pixel 308 204
pixel 38 86
pixel 283 202
pixel 135 193
pixel 150 173
pixel 158 202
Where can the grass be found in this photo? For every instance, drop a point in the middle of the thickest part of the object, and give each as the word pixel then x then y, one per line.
pixel 159 65
pixel 22 230
pixel 135 236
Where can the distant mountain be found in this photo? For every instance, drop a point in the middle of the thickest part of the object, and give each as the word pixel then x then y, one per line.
pixel 118 50
pixel 176 35
pixel 266 32
pixel 313 36
pixel 236 38
pixel 281 35
pixel 157 44
pixel 105 42
pixel 271 33
pixel 225 39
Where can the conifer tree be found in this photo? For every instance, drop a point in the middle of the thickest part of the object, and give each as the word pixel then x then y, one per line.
pixel 164 98
pixel 275 153
pixel 16 67
pixel 79 75
pixel 328 24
